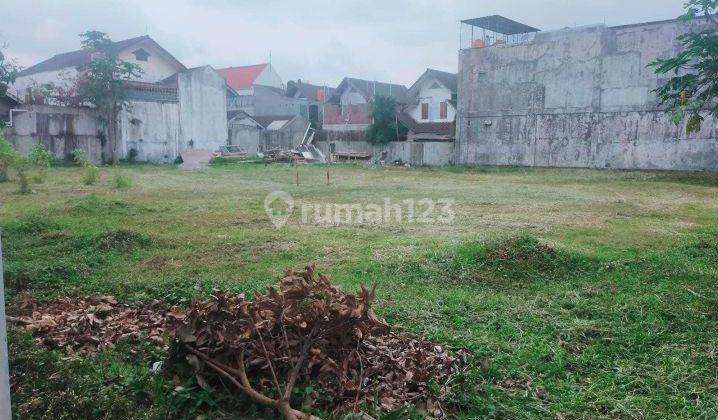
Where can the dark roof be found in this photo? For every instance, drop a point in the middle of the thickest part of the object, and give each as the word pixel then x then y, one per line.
pixel 173 79
pixel 265 120
pixel 500 24
pixel 231 115
pixel 369 88
pixel 81 57
pixel 10 99
pixel 449 80
pixel 308 90
pixel 278 91
pixel 438 128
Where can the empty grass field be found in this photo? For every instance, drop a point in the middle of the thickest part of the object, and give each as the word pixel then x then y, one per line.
pixel 579 293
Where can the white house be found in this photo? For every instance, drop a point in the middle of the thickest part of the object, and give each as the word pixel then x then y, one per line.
pixel 430 113
pixel 172 108
pixel 156 63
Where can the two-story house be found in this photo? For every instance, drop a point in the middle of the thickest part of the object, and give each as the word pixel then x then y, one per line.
pixel 430 113
pixel 348 109
pixel 156 63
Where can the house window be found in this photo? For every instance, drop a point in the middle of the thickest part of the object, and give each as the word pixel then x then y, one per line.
pixel 443 110
pixel 141 55
pixel 424 111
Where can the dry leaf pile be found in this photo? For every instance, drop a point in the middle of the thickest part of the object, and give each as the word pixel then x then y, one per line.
pixel 86 325
pixel 305 332
pixel 310 332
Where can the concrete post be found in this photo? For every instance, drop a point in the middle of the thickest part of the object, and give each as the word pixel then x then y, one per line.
pixel 5 409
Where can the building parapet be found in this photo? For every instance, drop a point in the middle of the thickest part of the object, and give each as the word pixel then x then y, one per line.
pixel 151 92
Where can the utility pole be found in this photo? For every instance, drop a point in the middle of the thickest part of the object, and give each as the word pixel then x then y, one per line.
pixel 5 410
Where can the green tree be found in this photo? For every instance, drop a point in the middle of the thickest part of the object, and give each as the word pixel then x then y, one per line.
pixel 8 72
pixel 102 83
pixel 383 128
pixel 693 89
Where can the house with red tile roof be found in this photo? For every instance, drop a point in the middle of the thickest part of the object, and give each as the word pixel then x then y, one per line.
pixel 243 78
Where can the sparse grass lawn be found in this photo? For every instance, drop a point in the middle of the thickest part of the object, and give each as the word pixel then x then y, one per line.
pixel 590 293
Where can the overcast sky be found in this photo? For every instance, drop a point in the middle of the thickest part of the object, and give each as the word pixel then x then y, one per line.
pixel 317 41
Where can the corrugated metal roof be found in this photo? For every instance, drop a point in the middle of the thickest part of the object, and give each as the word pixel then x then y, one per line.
pixel 267 120
pixel 277 125
pixel 242 77
pixel 501 25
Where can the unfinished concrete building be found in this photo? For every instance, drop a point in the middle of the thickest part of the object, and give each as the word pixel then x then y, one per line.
pixel 579 97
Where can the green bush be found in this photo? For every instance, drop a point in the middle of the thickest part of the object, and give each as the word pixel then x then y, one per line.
pixel 79 157
pixel 42 159
pixel 121 181
pixel 22 168
pixel 90 174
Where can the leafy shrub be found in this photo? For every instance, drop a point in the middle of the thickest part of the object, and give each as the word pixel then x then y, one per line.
pixel 121 181
pixel 42 159
pixel 22 167
pixel 79 157
pixel 90 174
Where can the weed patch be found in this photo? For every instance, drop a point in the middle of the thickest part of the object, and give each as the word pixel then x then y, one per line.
pixel 32 223
pixel 121 182
pixel 121 239
pixel 94 205
pixel 47 385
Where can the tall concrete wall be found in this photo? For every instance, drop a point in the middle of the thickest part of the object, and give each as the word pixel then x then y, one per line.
pixel 152 129
pixel 577 98
pixel 202 109
pixel 61 130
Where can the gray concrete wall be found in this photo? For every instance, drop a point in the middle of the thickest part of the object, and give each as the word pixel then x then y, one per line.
pixel 245 136
pixel 272 101
pixel 202 109
pixel 578 98
pixel 61 130
pixel 431 153
pixel 152 128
